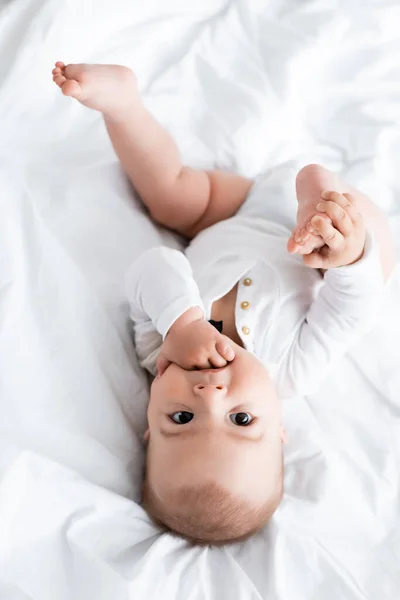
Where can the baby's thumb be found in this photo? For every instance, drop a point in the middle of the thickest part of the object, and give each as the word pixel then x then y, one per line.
pixel 316 260
pixel 225 350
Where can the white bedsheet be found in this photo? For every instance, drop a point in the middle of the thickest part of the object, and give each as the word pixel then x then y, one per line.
pixel 242 85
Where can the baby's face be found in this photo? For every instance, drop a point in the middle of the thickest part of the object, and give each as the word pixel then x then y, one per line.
pixel 220 425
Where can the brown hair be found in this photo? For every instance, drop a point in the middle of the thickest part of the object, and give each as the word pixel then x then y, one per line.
pixel 209 514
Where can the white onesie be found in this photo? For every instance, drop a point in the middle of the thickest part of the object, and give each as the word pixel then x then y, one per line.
pixel 296 322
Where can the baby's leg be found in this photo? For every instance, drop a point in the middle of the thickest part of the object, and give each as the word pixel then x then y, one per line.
pixel 312 180
pixel 184 199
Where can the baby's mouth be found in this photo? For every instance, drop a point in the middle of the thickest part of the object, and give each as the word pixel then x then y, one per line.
pixel 213 370
pixel 220 376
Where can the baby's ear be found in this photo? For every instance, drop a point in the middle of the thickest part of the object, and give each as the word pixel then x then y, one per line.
pixel 146 435
pixel 283 436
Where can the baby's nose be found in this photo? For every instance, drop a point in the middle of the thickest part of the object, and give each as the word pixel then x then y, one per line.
pixel 206 388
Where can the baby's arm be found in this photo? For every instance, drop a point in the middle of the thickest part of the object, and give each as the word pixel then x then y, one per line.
pixel 344 309
pixel 165 304
pixel 178 197
pixel 346 304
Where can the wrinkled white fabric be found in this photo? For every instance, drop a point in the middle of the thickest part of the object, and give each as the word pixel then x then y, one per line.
pixel 244 85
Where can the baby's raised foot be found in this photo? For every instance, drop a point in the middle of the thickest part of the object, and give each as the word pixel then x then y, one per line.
pixel 304 238
pixel 110 89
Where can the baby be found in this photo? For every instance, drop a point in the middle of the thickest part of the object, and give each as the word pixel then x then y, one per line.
pixel 259 308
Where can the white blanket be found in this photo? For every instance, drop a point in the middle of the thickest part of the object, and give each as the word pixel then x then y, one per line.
pixel 241 84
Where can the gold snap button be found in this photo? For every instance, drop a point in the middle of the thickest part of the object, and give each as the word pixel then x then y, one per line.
pixel 247 281
pixel 246 330
pixel 245 305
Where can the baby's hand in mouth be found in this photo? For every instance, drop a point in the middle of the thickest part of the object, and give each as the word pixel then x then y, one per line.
pixel 194 344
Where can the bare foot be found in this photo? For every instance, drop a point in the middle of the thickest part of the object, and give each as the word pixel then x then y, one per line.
pixel 304 238
pixel 110 89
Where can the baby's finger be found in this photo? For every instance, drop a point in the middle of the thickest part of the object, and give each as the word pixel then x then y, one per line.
pixel 162 364
pixel 352 208
pixel 331 236
pixel 216 360
pixel 316 260
pixel 346 201
pixel 225 350
pixel 338 215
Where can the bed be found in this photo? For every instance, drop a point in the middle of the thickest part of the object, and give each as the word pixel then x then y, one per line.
pixel 242 85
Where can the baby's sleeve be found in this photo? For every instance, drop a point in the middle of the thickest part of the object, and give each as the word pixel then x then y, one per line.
pixel 160 287
pixel 344 309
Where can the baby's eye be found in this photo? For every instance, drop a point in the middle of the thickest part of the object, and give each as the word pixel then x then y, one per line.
pixel 181 417
pixel 241 418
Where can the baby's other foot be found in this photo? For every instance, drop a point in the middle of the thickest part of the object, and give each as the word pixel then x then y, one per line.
pixel 110 89
pixel 304 239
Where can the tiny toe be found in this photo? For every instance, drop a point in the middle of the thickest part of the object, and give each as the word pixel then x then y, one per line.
pixel 292 247
pixel 298 238
pixel 71 88
pixel 304 250
pixel 60 64
pixel 295 231
pixel 310 228
pixel 313 242
pixel 304 235
pixel 59 80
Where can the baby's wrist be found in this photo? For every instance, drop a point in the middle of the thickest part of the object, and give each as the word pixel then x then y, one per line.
pixel 359 252
pixel 195 313
pixel 355 260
